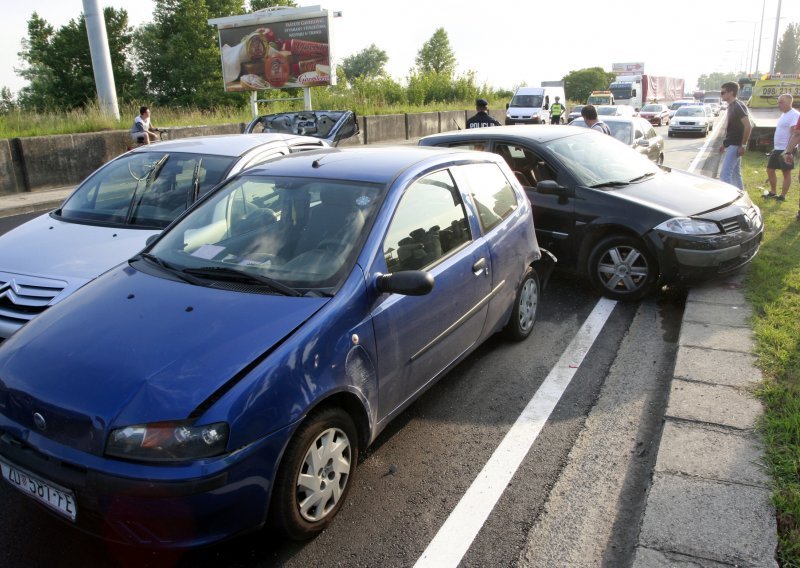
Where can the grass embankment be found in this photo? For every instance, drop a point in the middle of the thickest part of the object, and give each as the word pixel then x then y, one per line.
pixel 20 124
pixel 773 288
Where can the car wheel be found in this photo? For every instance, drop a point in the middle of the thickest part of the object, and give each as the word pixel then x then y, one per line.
pixel 315 474
pixel 526 306
pixel 621 268
pixel 660 122
pixel 669 134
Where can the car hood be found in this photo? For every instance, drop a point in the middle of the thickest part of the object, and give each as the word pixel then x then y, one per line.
pixel 46 247
pixel 134 348
pixel 680 194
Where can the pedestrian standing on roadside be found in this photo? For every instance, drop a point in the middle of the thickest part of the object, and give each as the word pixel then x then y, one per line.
pixel 481 118
pixel 589 114
pixel 142 131
pixel 776 161
pixel 791 151
pixel 556 110
pixel 737 136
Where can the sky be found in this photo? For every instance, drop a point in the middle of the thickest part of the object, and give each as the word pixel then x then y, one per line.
pixel 507 42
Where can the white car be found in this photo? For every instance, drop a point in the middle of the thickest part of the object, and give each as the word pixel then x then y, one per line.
pixel 692 119
pixel 111 214
pixel 681 103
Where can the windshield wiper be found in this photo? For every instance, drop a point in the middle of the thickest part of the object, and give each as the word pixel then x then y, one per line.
pixel 609 184
pixel 643 177
pixel 166 266
pixel 223 272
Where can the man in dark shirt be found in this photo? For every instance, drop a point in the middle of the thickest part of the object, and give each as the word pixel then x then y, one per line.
pixel 482 118
pixel 737 135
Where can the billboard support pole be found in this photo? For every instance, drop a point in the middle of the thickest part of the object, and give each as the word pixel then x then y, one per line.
pixel 307 97
pixel 253 104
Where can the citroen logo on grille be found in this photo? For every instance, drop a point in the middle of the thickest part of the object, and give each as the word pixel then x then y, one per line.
pixel 40 422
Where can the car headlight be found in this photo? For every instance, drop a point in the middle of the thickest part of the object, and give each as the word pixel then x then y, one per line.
pixel 168 441
pixel 688 226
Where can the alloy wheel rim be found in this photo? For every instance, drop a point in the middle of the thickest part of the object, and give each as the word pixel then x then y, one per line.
pixel 623 268
pixel 324 474
pixel 528 304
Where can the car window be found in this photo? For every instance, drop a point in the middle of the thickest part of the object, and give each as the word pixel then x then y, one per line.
pixel 302 232
pixel 620 130
pixel 147 189
pixel 430 222
pixel 650 132
pixel 492 193
pixel 521 161
pixel 638 134
pixel 479 146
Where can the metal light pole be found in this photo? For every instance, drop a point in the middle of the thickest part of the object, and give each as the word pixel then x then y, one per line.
pixel 101 58
pixel 760 33
pixel 775 44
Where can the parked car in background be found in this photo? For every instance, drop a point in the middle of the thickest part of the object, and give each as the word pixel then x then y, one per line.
pixel 111 214
pixel 715 108
pixel 656 114
pixel 333 126
pixel 692 119
pixel 681 103
pixel 616 110
pixel 636 133
pixel 229 375
pixel 608 213
pixel 574 113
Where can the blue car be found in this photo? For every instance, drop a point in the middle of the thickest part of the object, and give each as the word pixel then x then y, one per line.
pixel 227 376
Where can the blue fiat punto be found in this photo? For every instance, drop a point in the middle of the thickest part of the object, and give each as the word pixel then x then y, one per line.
pixel 228 375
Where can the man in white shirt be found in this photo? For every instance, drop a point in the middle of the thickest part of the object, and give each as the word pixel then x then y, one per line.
pixel 783 132
pixel 141 131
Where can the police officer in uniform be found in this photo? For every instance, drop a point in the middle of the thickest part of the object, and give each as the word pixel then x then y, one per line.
pixel 556 110
pixel 482 118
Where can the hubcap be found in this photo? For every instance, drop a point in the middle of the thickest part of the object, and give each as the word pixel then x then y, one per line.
pixel 623 269
pixel 528 304
pixel 323 474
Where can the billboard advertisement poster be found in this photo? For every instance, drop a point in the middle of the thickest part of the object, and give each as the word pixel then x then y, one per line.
pixel 627 68
pixel 284 49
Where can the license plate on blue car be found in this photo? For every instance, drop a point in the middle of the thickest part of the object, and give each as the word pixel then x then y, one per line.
pixel 61 500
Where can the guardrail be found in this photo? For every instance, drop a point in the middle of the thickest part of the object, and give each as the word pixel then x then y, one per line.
pixel 46 162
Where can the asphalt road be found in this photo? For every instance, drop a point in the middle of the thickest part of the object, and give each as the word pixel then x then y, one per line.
pixel 597 447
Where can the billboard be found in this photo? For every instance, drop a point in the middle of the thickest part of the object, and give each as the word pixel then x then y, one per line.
pixel 627 68
pixel 276 49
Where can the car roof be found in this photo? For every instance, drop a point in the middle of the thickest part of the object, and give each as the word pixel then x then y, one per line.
pixel 228 144
pixel 375 165
pixel 538 133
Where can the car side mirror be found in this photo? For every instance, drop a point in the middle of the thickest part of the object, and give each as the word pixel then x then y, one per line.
pixel 405 282
pixel 643 142
pixel 507 105
pixel 551 187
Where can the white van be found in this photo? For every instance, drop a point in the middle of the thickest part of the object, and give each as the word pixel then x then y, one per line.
pixel 531 105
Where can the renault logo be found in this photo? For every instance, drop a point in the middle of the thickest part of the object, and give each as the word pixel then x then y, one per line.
pixel 40 422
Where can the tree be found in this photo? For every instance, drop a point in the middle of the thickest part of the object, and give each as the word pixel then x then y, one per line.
pixel 436 55
pixel 7 102
pixel 713 81
pixel 58 64
pixel 177 55
pixel 367 63
pixel 579 84
pixel 261 4
pixel 787 53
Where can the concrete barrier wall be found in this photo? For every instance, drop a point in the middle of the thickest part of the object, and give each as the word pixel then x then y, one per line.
pixel 44 162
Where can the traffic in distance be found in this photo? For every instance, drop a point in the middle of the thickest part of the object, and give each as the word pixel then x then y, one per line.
pixel 295 308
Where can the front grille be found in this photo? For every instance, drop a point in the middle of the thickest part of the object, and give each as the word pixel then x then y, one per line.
pixel 741 222
pixel 731 225
pixel 24 297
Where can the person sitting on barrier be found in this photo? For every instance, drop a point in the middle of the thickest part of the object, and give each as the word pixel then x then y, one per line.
pixel 142 131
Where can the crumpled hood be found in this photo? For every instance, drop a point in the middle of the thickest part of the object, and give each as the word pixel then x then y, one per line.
pixel 680 194
pixel 132 348
pixel 49 248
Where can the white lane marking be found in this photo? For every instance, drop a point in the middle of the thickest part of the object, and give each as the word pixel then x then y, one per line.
pixel 701 153
pixel 459 530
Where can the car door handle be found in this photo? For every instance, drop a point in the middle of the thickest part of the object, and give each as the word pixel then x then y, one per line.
pixel 480 267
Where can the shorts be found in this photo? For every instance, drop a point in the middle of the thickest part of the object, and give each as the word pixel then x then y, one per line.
pixel 776 161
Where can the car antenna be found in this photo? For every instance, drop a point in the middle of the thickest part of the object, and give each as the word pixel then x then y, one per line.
pixel 456 123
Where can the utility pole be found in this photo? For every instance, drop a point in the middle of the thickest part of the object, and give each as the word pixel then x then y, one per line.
pixel 760 33
pixel 101 58
pixel 775 44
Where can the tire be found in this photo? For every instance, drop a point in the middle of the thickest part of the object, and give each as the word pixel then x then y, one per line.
pixel 621 268
pixel 303 510
pixel 670 134
pixel 526 307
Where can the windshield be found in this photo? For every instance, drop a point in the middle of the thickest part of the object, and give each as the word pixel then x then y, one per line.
pixel 298 232
pixel 599 99
pixel 691 111
pixel 607 110
pixel 595 159
pixel 620 129
pixel 651 108
pixel 145 189
pixel 621 90
pixel 527 101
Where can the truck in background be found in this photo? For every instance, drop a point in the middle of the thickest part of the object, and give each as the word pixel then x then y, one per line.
pixel 638 90
pixel 763 105
pixel 600 98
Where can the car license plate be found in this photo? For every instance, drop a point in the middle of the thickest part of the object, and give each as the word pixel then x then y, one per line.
pixel 57 498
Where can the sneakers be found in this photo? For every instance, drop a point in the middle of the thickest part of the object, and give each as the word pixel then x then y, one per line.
pixel 780 198
pixel 769 195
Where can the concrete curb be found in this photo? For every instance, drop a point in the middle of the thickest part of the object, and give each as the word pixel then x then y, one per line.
pixel 709 503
